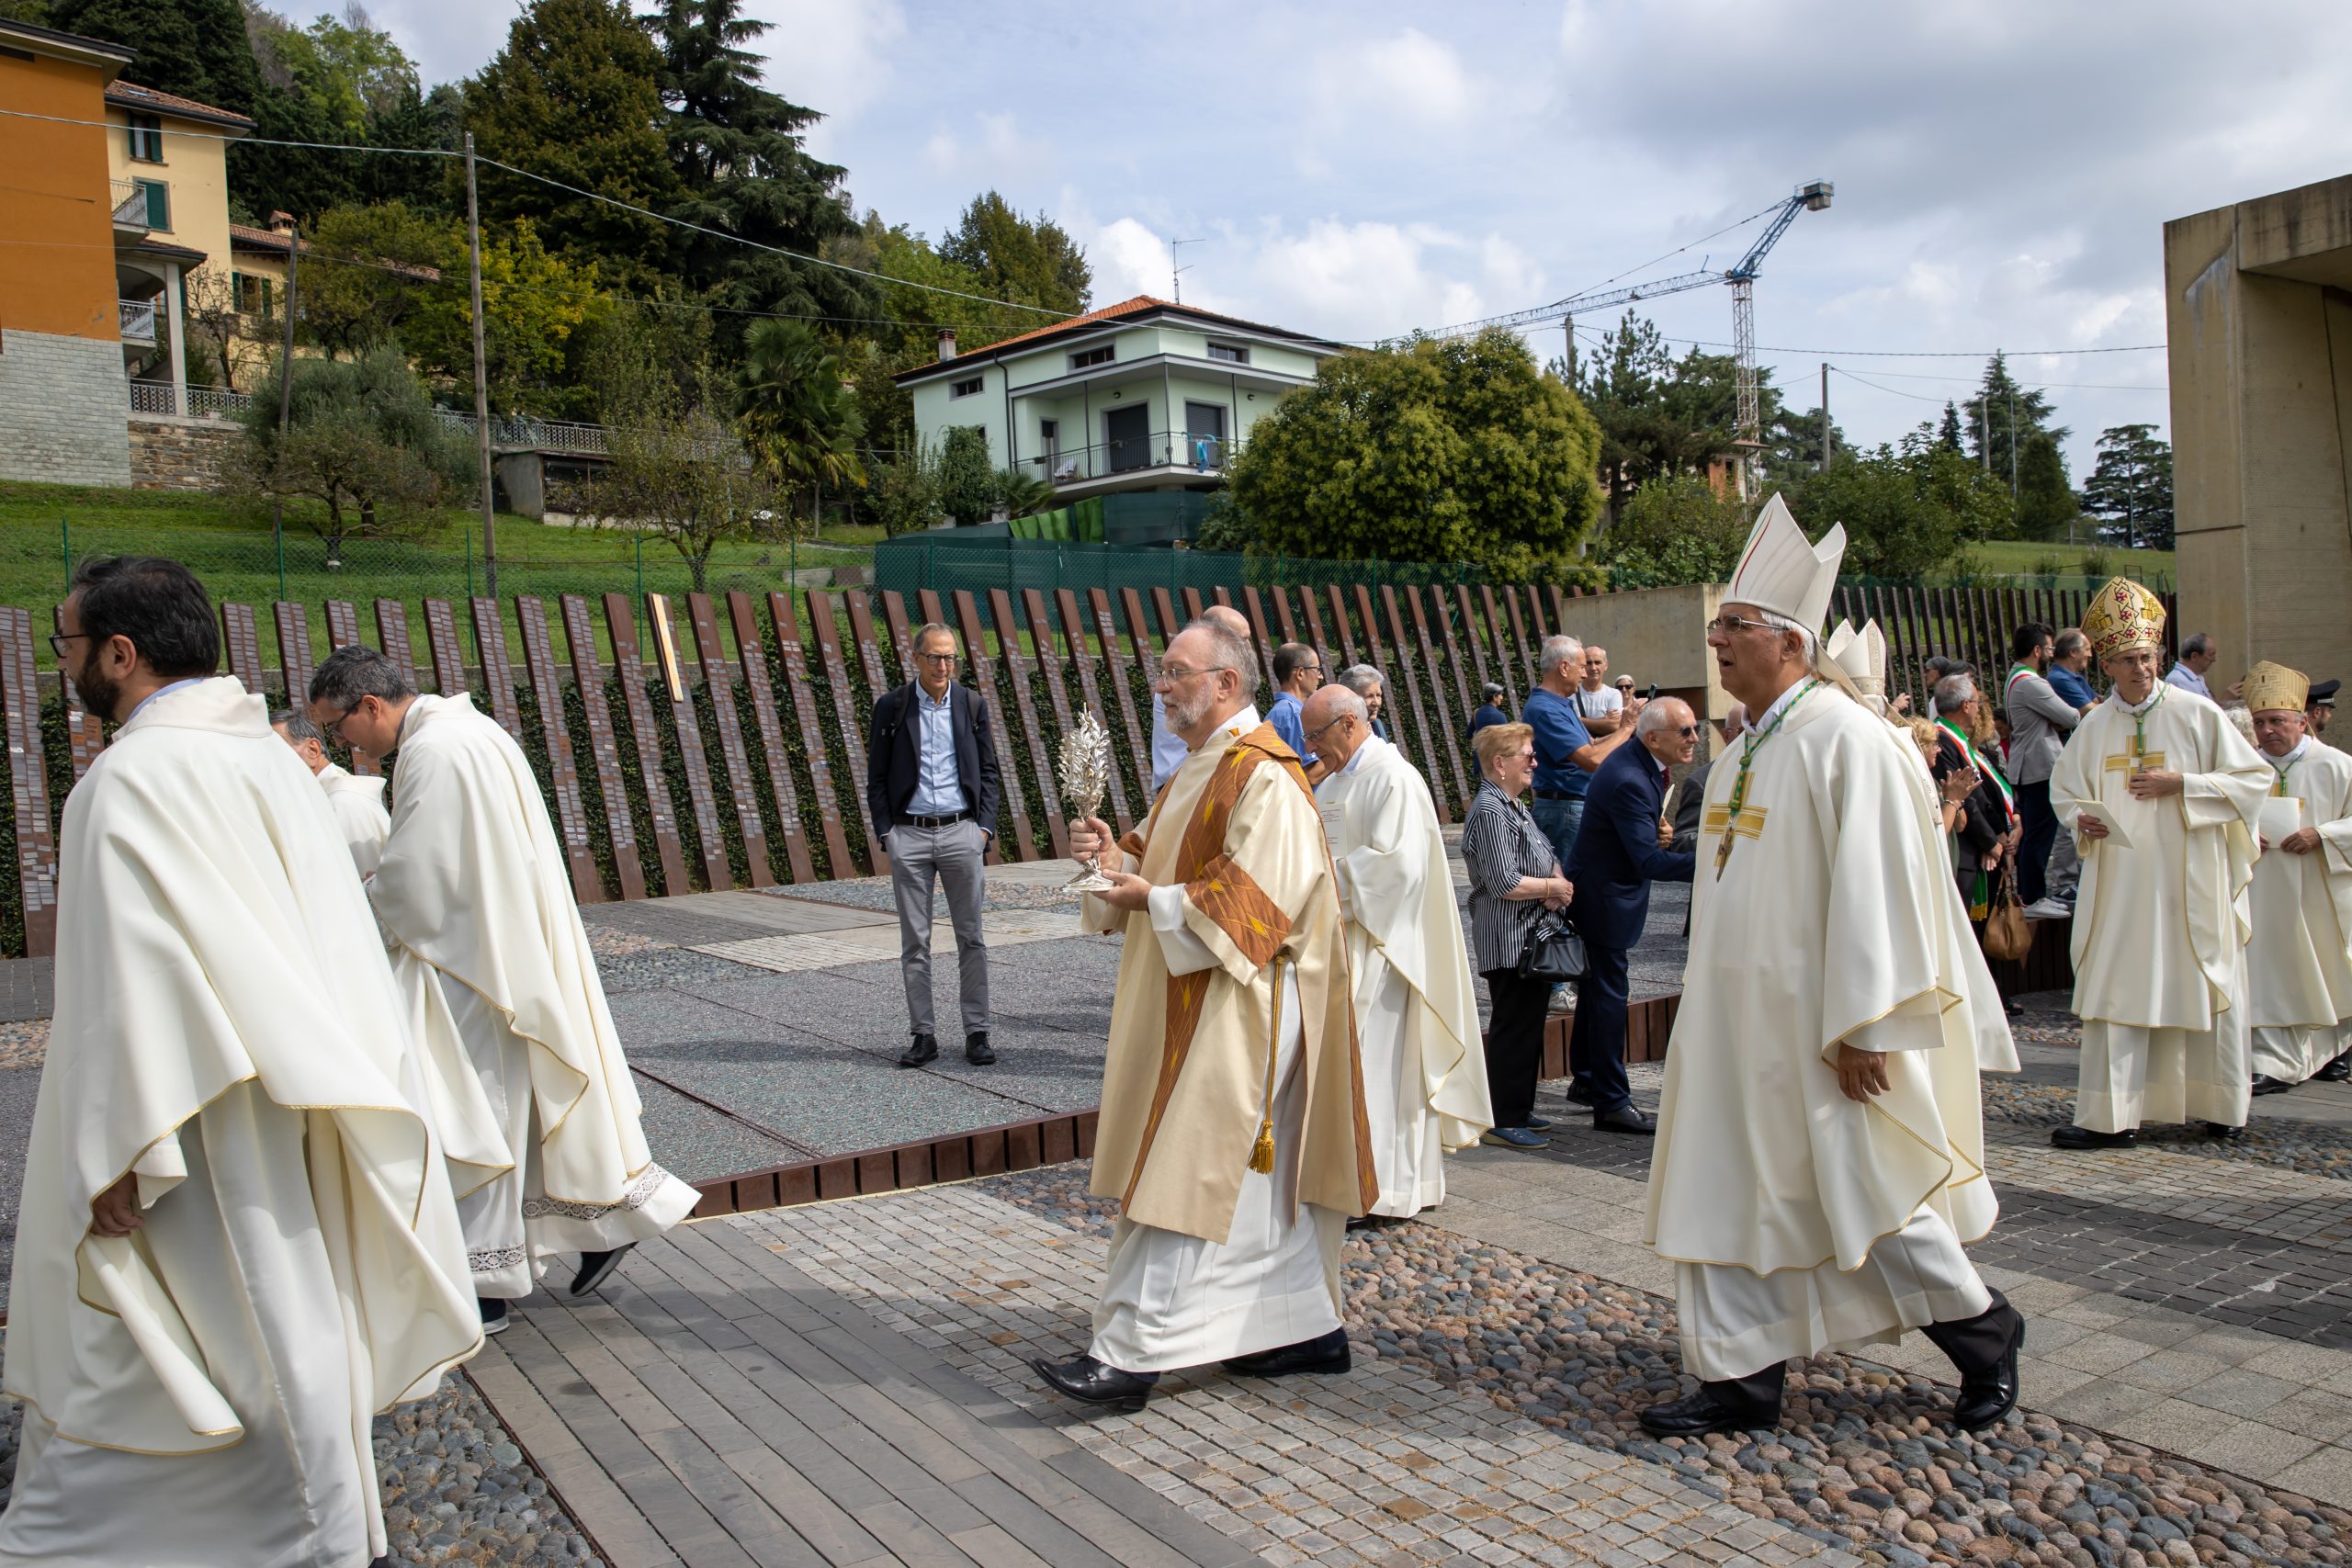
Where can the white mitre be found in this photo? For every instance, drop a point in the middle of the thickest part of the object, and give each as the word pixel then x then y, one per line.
pixel 1781 572
pixel 1861 657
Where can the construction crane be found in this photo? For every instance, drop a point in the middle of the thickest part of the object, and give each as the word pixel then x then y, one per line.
pixel 1749 435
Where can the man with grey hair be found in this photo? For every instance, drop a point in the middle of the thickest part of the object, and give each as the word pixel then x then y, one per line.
pixel 358 801
pixel 1372 687
pixel 1567 755
pixel 1167 747
pixel 472 883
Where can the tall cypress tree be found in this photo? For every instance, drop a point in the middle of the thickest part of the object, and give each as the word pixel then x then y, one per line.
pixel 194 48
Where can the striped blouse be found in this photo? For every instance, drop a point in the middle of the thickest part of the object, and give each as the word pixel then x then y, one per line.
pixel 1501 844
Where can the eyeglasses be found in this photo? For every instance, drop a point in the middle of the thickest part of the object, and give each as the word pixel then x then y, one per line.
pixel 1689 732
pixel 946 658
pixel 1730 623
pixel 334 727
pixel 1171 673
pixel 57 640
pixel 1321 729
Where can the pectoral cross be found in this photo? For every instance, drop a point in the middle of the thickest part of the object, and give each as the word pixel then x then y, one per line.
pixel 1749 823
pixel 2138 759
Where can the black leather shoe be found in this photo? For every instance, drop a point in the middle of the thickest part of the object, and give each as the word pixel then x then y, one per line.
pixel 2071 1137
pixel 1323 1353
pixel 596 1268
pixel 2225 1134
pixel 493 1315
pixel 1737 1405
pixel 1580 1095
pixel 924 1050
pixel 2265 1084
pixel 2337 1071
pixel 976 1049
pixel 1089 1382
pixel 1984 1348
pixel 1625 1119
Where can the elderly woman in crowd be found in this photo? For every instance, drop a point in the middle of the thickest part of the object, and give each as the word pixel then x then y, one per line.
pixel 1372 687
pixel 1512 874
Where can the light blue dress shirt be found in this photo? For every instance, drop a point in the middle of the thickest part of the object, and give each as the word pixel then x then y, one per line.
pixel 939 790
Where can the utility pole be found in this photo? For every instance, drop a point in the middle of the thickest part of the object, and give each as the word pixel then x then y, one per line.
pixel 2013 444
pixel 1985 428
pixel 481 378
pixel 286 416
pixel 1827 439
pixel 1568 328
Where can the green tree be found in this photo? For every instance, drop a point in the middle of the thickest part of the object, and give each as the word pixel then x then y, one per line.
pixel 2130 489
pixel 1947 432
pixel 1659 416
pixel 1458 450
pixel 800 421
pixel 575 98
pixel 912 315
pixel 33 11
pixel 676 469
pixel 1675 529
pixel 902 491
pixel 2046 507
pixel 2000 417
pixel 368 272
pixel 967 487
pixel 740 166
pixel 1028 259
pixel 362 442
pixel 194 48
pixel 1908 509
pixel 343 82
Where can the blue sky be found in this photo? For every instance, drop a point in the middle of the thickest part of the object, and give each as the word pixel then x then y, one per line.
pixel 2004 169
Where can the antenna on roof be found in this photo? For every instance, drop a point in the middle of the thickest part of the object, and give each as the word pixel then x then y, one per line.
pixel 1176 279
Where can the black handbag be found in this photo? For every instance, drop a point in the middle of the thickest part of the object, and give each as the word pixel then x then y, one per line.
pixel 1554 950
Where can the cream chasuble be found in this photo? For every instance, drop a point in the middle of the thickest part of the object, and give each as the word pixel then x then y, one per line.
pixel 200 1392
pixel 1800 1219
pixel 473 884
pixel 2298 960
pixel 2160 928
pixel 1417 1013
pixel 359 813
pixel 1212 1259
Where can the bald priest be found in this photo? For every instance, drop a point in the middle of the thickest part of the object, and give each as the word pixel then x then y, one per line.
pixel 1820 1159
pixel 1233 1125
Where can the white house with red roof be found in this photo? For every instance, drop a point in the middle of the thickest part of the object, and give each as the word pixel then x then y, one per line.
pixel 1143 395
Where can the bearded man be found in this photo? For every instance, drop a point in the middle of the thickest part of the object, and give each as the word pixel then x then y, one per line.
pixel 472 885
pixel 1417 1011
pixel 1233 1129
pixel 2298 959
pixel 2164 799
pixel 1820 1154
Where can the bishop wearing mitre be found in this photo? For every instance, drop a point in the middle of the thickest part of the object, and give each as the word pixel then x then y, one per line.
pixel 356 799
pixel 2165 800
pixel 1820 1157
pixel 1416 1012
pixel 236 1243
pixel 2299 958
pixel 472 887
pixel 1232 1132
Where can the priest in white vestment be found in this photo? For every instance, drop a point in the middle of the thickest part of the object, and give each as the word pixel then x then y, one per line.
pixel 2165 800
pixel 1820 1157
pixel 1416 1012
pixel 2298 960
pixel 236 1243
pixel 473 884
pixel 357 800
pixel 1232 1131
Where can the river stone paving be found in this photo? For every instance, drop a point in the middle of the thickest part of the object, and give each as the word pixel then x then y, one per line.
pixel 1866 1461
pixel 456 1487
pixel 24 1044
pixel 2314 1148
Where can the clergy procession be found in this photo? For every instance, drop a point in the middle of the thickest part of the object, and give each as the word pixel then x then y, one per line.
pixel 334 1086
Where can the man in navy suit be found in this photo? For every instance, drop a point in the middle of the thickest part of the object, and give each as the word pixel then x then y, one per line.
pixel 1619 849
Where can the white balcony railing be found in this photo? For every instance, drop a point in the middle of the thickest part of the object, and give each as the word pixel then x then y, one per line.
pixel 201 403
pixel 138 320
pixel 129 202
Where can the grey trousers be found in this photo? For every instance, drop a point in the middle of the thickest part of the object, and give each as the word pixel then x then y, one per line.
pixel 952 855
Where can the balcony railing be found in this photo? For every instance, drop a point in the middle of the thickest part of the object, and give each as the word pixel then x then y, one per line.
pixel 129 202
pixel 506 430
pixel 1205 454
pixel 138 320
pixel 203 403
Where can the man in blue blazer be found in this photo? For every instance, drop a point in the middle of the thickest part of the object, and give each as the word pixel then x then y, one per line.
pixel 1619 851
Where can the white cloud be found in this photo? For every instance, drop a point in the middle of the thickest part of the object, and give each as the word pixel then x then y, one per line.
pixel 1408 75
pixel 989 149
pixel 832 55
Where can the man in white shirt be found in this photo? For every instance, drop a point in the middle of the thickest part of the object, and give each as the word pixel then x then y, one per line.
pixel 1167 747
pixel 1599 704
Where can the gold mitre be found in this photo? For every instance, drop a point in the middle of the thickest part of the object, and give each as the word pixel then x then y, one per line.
pixel 1781 571
pixel 2123 616
pixel 2271 686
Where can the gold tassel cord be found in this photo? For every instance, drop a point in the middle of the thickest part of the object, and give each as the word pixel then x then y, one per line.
pixel 1261 1156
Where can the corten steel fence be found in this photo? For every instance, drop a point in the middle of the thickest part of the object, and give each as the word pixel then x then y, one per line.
pixel 1973 624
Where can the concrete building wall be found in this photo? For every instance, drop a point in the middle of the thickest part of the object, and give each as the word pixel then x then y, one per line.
pixel 2259 318
pixel 61 401
pixel 55 203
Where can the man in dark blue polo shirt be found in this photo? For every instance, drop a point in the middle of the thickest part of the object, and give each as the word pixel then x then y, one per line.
pixel 1566 754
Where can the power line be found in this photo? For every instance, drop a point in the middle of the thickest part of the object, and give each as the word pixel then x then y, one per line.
pixel 1600 335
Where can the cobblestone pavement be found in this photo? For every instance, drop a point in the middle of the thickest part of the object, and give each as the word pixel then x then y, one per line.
pixel 1490 1416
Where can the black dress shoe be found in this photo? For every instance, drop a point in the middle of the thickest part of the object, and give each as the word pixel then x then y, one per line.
pixel 1738 1405
pixel 1089 1382
pixel 1323 1353
pixel 1625 1119
pixel 977 1050
pixel 1984 1348
pixel 494 1315
pixel 1580 1095
pixel 2071 1137
pixel 2265 1084
pixel 924 1050
pixel 2337 1071
pixel 2226 1134
pixel 596 1268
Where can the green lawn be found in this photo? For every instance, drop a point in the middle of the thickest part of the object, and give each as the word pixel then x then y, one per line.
pixel 234 549
pixel 2033 558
